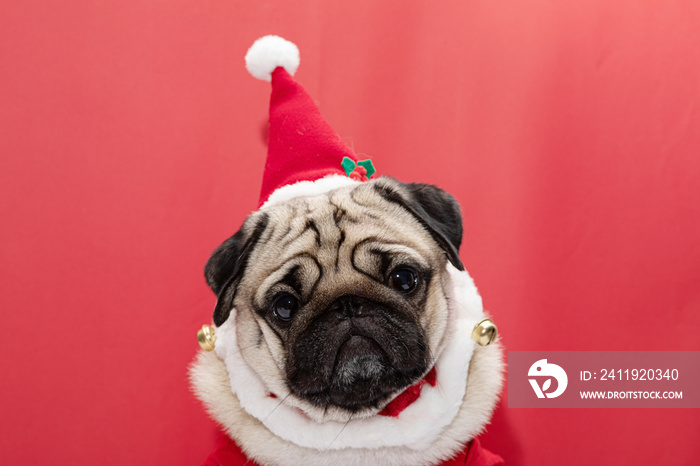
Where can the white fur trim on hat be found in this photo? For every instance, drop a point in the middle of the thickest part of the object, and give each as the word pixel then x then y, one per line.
pixel 270 52
pixel 308 188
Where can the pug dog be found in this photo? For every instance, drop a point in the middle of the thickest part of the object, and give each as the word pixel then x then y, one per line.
pixel 343 323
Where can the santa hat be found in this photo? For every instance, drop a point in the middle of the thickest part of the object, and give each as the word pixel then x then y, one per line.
pixel 305 156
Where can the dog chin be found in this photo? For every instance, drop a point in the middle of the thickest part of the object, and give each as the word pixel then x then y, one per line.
pixel 362 375
pixel 328 412
pixel 363 381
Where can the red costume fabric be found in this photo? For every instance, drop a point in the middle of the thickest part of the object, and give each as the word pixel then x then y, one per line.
pixel 408 396
pixel 227 453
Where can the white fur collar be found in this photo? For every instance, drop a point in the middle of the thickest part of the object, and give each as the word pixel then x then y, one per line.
pixel 417 427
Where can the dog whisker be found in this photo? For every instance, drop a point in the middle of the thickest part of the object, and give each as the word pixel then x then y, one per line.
pixel 405 346
pixel 440 390
pixel 341 431
pixel 275 408
pixel 433 361
pixel 240 350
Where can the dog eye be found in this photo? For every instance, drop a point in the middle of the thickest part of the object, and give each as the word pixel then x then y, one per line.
pixel 403 280
pixel 285 306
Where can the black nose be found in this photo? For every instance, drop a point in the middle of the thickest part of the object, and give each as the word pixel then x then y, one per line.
pixel 349 306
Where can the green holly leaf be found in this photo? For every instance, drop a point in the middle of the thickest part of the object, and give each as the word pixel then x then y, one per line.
pixel 348 165
pixel 369 166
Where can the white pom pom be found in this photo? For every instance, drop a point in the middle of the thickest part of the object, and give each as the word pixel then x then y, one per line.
pixel 269 52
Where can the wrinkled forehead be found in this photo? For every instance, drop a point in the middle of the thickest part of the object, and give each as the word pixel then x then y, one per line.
pixel 330 228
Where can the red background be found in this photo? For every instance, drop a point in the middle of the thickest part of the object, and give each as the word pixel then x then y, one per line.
pixel 132 143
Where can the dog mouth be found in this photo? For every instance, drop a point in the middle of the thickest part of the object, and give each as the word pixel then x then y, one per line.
pixel 360 366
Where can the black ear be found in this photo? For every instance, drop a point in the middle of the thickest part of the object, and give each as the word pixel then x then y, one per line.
pixel 227 264
pixel 435 209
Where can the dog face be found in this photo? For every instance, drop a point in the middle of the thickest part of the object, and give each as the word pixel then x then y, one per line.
pixel 339 298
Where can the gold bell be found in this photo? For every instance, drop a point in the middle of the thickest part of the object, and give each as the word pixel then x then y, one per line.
pixel 206 337
pixel 484 332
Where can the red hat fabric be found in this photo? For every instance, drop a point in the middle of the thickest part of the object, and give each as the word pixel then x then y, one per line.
pixel 302 146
